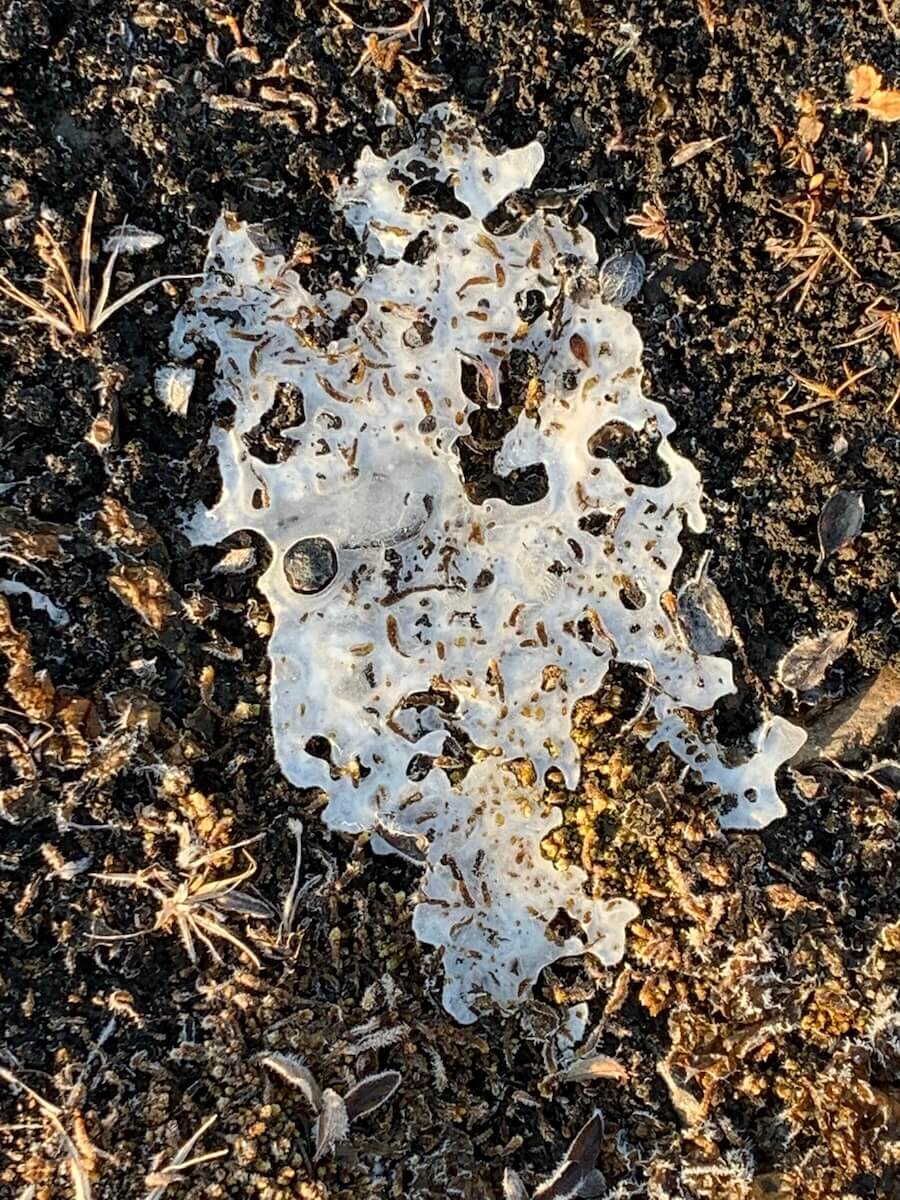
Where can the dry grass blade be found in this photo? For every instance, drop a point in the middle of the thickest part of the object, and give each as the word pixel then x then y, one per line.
pixel 81 1184
pixel 84 282
pixel 39 311
pixel 811 246
pixel 75 316
pixel 191 906
pixel 824 392
pixel 160 1178
pixel 289 908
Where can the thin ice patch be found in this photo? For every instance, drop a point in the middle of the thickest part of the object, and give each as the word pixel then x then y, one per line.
pixel 407 614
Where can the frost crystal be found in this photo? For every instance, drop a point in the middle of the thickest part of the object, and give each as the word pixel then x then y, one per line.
pixel 410 619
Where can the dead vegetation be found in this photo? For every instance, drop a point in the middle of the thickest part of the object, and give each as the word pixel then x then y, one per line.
pixel 809 254
pixel 652 222
pixel 880 319
pixel 68 308
pixel 194 906
pixel 824 393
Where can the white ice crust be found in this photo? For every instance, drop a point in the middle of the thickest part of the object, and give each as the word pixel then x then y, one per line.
pixel 446 618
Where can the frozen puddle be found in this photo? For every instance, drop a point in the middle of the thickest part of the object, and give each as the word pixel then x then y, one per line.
pixel 407 616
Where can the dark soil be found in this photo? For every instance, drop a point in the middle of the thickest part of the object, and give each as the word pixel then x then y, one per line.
pixel 763 973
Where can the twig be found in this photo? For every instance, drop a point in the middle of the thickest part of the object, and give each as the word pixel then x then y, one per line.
pixel 80 1182
pixel 159 1178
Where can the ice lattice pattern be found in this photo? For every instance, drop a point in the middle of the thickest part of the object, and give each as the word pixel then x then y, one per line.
pixel 406 613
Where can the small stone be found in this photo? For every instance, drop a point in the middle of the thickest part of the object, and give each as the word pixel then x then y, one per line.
pixel 310 565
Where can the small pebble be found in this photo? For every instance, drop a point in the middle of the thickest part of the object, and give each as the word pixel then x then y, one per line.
pixel 310 565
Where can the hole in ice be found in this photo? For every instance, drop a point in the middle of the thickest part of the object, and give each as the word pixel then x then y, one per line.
pixel 270 439
pixel 428 196
pixel 631 594
pixel 633 451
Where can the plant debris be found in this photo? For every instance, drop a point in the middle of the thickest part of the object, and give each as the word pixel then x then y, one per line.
pixel 840 522
pixel 866 92
pixel 803 667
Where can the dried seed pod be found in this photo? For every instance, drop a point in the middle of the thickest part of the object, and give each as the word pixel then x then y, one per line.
pixel 621 278
pixel 174 386
pixel 839 522
pixel 703 613
pixel 370 1093
pixel 310 565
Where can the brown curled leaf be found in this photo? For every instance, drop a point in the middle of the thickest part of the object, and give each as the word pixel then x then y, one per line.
pixel 884 105
pixel 863 82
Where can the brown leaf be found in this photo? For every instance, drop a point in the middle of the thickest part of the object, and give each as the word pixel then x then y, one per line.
pixel 145 589
pixel 863 82
pixel 809 129
pixel 803 667
pixel 691 149
pixel 585 1148
pixel 884 105
pixel 594 1066
pixel 579 348
pixel 32 690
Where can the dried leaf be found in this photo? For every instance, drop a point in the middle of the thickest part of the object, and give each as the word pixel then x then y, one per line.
pixel 513 1187
pixel 691 1111
pixel 32 690
pixel 809 129
pixel 297 1073
pixel 884 105
pixel 236 562
pixel 691 150
pixel 370 1093
pixel 585 1148
pixel 594 1066
pixel 128 239
pixel 333 1124
pixel 579 348
pixel 863 82
pixel 174 386
pixel 144 588
pixel 840 521
pixel 565 1184
pixel 803 667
